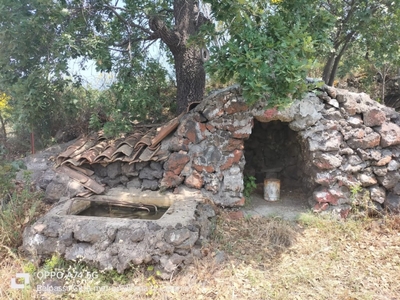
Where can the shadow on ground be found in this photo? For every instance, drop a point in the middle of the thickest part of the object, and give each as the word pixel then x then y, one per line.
pixel 290 205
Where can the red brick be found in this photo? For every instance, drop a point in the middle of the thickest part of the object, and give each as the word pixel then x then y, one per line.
pixel 239 135
pixel 200 168
pixel 325 178
pixel 235 107
pixel 195 131
pixel 320 207
pixel 194 180
pixel 234 159
pixel 233 144
pixel 210 128
pixel 176 162
pixel 330 196
pixel 370 141
pixel 171 180
pixel 270 113
pixel 241 202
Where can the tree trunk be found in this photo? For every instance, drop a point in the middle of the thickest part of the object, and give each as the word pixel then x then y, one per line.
pixel 385 71
pixel 3 135
pixel 337 60
pixel 189 63
pixel 332 63
pixel 190 77
pixel 328 68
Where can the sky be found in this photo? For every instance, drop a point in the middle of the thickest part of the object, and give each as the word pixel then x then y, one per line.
pixel 91 78
pixel 101 80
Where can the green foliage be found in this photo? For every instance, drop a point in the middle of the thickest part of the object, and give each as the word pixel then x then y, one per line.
pixel 18 204
pixel 266 46
pixel 382 47
pixel 54 262
pixel 4 99
pixel 355 189
pixel 8 171
pixel 364 35
pixel 29 267
pixel 249 186
pixel 113 277
pixel 37 39
pixel 4 114
pixel 152 285
pixel 143 95
pixel 362 205
pixel 31 60
pixel 270 48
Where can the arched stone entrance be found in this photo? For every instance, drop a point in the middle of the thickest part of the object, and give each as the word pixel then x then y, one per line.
pixel 273 150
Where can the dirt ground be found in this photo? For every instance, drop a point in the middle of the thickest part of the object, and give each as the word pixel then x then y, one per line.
pixel 291 204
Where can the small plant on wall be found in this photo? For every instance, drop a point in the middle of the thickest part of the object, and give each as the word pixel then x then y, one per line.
pixel 249 186
pixel 361 202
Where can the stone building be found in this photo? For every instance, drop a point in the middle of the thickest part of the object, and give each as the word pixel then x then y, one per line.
pixel 337 145
pixel 341 148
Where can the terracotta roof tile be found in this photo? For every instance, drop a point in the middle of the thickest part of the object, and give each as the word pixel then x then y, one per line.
pixel 148 153
pixel 164 131
pixel 142 145
pixel 122 151
pixel 85 180
pixel 106 155
pixel 91 154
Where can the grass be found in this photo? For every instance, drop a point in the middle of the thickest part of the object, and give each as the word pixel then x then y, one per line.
pixel 20 207
pixel 317 257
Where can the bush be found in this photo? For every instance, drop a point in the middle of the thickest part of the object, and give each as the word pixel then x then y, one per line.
pixel 147 95
pixel 19 205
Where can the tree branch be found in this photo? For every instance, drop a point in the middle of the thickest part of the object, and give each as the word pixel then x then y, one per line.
pixel 168 36
pixel 201 19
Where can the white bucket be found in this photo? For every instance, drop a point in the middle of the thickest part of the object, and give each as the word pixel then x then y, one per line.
pixel 272 189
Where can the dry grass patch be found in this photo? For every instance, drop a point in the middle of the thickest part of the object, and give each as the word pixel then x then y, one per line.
pixel 11 264
pixel 259 258
pixel 342 260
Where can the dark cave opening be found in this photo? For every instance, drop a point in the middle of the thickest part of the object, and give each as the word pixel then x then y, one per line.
pixel 273 150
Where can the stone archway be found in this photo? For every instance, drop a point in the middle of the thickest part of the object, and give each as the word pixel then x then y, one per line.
pixel 273 150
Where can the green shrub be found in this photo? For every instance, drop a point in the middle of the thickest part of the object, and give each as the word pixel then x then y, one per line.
pixel 18 204
pixel 249 186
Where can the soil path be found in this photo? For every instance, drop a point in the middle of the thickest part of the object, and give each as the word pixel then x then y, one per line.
pixel 290 205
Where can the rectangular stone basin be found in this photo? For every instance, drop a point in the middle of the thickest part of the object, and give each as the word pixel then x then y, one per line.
pixel 175 207
pixel 118 243
pixel 139 212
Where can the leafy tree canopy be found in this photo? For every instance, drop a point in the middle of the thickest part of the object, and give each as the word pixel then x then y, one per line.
pixel 358 23
pixel 269 47
pixel 266 46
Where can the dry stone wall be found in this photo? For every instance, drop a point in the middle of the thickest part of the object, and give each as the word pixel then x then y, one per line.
pixel 208 149
pixel 168 243
pixel 349 149
pixel 349 144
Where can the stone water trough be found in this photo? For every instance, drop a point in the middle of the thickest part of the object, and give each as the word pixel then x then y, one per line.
pixel 118 242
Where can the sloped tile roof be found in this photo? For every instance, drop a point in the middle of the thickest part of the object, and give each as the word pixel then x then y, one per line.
pixel 142 145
